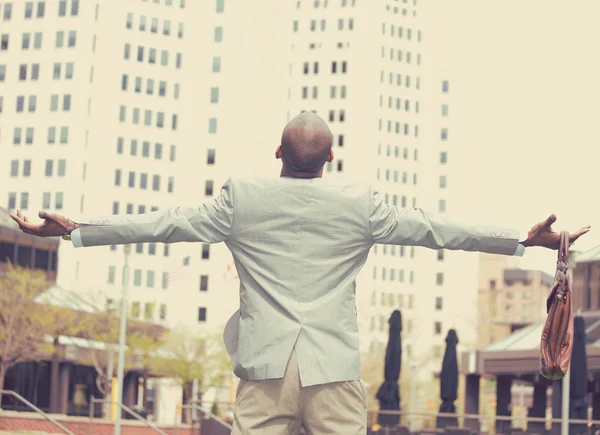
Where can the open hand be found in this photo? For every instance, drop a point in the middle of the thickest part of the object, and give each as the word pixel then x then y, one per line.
pixel 543 235
pixel 53 225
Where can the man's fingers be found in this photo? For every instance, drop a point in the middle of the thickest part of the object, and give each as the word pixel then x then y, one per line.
pixel 551 219
pixel 579 233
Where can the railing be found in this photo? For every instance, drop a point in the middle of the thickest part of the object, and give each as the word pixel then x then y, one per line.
pixel 125 408
pixel 490 424
pixel 36 409
pixel 207 416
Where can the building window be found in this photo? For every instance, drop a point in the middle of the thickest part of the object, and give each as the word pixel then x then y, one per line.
pixel 220 5
pixel 442 181
pixel 341 140
pixel 201 314
pixel 212 126
pixel 150 278
pixel 208 188
pixel 163 312
pixel 444 134
pixel 12 200
pixel 218 34
pixel 444 110
pixel 59 200
pixel 205 251
pixel 216 65
pixel 24 200
pixel 439 302
pixel 210 156
pixel 4 42
pixel 214 95
pixel 135 309
pixel 439 278
pixel 137 277
pixel 440 254
pixel 72 38
pixel 438 328
pixel 203 283
pixel 442 205
pixel 443 157
pixel 64 135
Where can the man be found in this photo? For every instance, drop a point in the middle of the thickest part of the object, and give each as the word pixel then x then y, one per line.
pixel 298 243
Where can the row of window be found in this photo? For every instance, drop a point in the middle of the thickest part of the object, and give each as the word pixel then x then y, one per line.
pixel 136 311
pixel 317 3
pixel 26 135
pixel 395 177
pixel 152 55
pixel 383 324
pixel 389 299
pixel 59 199
pixel 405 152
pixel 333 92
pixel 61 168
pixel 170 2
pixel 398 128
pixel 334 67
pixel 323 25
pixel 40 9
pixel 400 56
pixel 148 117
pixel 398 81
pixel 396 10
pixel 152 86
pixel 399 31
pixel 71 37
pixel 338 165
pixel 58 71
pixel 145 149
pixel 143 181
pixel 398 104
pixel 392 249
pixel 154 24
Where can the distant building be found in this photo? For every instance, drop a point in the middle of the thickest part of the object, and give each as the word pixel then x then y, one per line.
pixel 25 250
pixel 508 297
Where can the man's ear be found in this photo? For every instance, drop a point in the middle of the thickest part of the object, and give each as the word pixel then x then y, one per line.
pixel 278 152
pixel 330 156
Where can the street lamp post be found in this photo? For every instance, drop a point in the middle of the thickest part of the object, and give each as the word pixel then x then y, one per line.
pixel 413 395
pixel 122 332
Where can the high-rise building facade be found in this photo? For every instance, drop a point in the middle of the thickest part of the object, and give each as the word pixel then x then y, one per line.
pixel 113 108
pixel 364 67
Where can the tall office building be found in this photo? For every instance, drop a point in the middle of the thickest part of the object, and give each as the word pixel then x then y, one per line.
pixel 365 68
pixel 113 108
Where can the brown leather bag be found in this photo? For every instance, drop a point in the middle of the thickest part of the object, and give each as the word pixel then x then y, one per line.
pixel 557 336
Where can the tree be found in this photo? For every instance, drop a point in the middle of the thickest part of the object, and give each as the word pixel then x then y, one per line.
pixel 57 321
pixel 193 357
pixel 20 325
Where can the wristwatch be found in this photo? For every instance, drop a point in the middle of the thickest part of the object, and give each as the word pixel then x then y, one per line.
pixel 68 230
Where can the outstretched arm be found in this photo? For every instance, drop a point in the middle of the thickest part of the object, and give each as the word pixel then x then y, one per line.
pixel 210 223
pixel 414 227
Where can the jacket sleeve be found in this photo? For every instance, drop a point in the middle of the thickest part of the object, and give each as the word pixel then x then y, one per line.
pixel 210 222
pixel 415 227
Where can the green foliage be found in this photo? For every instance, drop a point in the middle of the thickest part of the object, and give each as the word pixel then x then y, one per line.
pixel 21 325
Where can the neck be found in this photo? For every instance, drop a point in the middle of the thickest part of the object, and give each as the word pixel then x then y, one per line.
pixel 298 174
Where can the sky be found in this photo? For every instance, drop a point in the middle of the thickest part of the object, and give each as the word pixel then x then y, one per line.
pixel 524 93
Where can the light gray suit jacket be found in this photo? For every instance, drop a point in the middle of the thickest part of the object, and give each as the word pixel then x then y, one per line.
pixel 298 245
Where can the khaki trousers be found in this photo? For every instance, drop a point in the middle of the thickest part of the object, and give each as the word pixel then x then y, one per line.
pixel 282 406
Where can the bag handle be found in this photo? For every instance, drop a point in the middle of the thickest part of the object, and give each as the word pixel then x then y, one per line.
pixel 563 254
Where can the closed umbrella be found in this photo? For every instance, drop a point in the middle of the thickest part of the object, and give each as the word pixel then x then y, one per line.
pixel 449 381
pixel 389 393
pixel 578 369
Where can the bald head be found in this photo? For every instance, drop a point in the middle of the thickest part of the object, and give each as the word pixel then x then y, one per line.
pixel 306 144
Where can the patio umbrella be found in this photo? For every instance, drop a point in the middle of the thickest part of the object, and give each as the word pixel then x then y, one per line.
pixel 389 394
pixel 449 381
pixel 578 390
